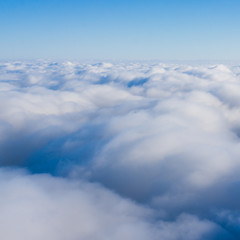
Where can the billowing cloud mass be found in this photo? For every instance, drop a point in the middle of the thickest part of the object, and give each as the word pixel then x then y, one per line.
pixel 119 151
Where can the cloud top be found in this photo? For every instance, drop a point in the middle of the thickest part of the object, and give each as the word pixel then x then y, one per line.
pixel 129 150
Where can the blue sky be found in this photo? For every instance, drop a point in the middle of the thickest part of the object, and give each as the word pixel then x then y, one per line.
pixel 120 29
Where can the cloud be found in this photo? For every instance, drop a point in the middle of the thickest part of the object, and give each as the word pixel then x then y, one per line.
pixel 165 136
pixel 43 207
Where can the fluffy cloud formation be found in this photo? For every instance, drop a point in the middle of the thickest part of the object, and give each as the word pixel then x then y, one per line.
pixel 43 207
pixel 163 135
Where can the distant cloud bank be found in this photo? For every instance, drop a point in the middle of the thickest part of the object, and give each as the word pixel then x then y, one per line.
pixel 119 151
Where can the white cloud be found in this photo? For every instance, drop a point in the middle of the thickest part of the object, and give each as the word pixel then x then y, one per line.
pixel 43 207
pixel 164 135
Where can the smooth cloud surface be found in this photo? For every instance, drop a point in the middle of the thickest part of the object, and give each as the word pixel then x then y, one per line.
pixel 159 141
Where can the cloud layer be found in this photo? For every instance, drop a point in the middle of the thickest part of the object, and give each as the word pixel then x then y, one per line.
pixel 43 207
pixel 138 150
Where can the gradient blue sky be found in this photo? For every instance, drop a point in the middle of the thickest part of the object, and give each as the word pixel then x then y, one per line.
pixel 120 29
